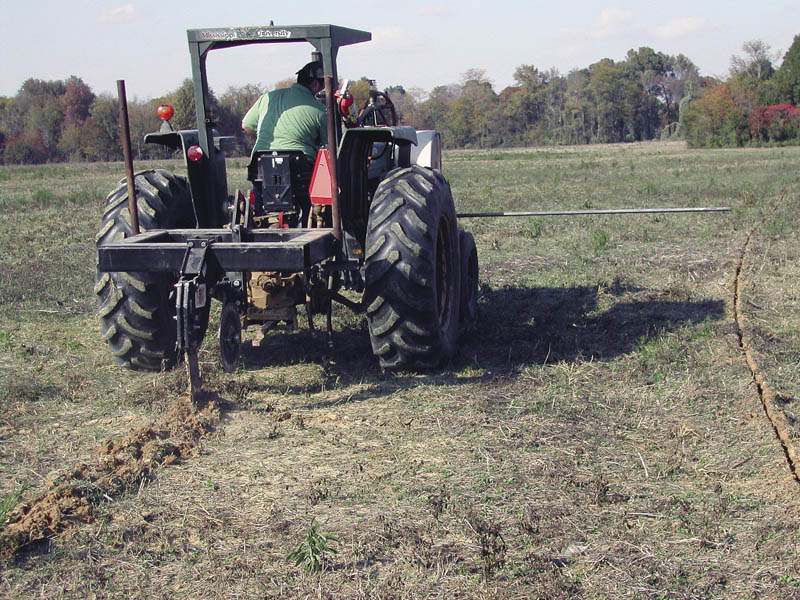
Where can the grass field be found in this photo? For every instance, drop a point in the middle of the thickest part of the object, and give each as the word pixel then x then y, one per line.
pixel 599 435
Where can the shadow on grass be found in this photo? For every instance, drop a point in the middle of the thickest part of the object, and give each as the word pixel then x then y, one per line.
pixel 518 327
pixel 538 325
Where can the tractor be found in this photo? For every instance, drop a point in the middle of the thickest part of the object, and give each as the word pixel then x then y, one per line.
pixel 382 229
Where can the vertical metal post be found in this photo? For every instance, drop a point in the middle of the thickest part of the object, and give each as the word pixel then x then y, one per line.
pixel 331 112
pixel 125 135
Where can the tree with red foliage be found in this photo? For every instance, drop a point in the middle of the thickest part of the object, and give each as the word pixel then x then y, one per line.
pixel 775 123
pixel 25 148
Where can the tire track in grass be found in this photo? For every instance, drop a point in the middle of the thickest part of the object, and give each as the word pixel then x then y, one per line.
pixel 769 399
pixel 122 464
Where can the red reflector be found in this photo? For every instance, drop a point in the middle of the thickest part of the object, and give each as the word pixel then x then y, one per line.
pixel 165 111
pixel 194 153
pixel 321 190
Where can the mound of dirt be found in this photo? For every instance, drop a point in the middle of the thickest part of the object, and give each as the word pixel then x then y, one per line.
pixel 122 463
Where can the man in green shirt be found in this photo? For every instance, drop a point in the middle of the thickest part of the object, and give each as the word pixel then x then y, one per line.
pixel 292 119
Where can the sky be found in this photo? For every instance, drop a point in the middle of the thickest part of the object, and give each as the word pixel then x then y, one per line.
pixel 416 44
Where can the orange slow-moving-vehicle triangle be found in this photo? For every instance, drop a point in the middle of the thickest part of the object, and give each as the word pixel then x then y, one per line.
pixel 320 189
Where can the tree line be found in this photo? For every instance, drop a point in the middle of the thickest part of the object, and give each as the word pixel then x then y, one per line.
pixel 758 104
pixel 648 95
pixel 65 121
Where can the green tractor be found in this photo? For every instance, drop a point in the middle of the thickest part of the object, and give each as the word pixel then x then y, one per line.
pixel 383 225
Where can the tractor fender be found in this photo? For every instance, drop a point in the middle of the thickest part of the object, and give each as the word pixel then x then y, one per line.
pixel 182 140
pixel 186 138
pixel 428 150
pixel 209 203
pixel 403 134
pixel 174 139
pixel 403 137
pixel 423 147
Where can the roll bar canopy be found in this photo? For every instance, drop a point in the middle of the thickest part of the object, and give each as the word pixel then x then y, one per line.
pixel 326 40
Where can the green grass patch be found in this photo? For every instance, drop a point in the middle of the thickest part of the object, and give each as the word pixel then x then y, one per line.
pixel 7 503
pixel 599 241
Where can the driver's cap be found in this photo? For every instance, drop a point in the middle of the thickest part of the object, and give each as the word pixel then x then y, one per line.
pixel 312 70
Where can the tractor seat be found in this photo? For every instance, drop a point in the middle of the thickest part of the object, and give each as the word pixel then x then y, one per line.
pixel 279 176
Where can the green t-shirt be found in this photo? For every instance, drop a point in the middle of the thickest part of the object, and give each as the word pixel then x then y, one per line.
pixel 288 119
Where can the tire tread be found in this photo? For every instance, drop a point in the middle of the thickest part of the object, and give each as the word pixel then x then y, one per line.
pixel 400 264
pixel 134 308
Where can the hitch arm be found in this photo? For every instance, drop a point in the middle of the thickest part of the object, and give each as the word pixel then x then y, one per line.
pixel 191 310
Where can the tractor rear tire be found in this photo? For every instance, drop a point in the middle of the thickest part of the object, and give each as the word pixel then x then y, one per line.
pixel 412 270
pixel 136 309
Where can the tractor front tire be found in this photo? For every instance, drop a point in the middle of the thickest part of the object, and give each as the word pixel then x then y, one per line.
pixel 412 270
pixel 136 309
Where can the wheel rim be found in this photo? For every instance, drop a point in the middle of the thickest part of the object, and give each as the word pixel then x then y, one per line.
pixel 444 260
pixel 230 338
pixel 472 277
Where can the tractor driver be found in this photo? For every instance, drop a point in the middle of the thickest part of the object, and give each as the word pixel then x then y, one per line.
pixel 292 119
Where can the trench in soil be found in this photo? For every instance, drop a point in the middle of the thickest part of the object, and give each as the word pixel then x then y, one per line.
pixel 766 394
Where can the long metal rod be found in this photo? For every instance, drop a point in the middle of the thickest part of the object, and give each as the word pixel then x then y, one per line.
pixel 125 134
pixel 610 211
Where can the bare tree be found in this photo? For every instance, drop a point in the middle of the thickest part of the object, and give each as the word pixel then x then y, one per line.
pixel 756 63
